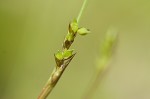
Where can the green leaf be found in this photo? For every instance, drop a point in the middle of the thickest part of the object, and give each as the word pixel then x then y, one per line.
pixel 83 31
pixel 59 55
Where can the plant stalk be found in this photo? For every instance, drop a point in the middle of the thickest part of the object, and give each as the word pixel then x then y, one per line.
pixel 61 64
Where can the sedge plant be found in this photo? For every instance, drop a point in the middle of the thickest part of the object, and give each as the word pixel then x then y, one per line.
pixel 63 57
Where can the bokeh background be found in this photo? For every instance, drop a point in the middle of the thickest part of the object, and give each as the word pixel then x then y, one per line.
pixel 31 31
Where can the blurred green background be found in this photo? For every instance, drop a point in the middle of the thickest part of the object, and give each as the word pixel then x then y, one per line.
pixel 31 31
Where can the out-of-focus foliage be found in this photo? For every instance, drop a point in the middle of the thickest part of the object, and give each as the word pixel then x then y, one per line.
pixel 31 31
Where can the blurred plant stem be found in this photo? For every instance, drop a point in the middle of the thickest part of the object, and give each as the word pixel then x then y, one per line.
pixel 64 57
pixel 102 62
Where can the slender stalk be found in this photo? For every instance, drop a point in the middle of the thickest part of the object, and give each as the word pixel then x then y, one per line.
pixel 62 58
pixel 81 10
pixel 52 81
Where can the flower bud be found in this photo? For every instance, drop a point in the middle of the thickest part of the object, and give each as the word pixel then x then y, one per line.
pixel 83 31
pixel 59 55
pixel 73 27
pixel 67 53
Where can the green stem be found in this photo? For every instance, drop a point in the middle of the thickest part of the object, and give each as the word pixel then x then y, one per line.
pixel 81 10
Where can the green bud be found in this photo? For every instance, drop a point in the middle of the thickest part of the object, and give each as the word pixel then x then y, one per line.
pixel 59 55
pixel 69 37
pixel 73 26
pixel 67 53
pixel 64 55
pixel 83 31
